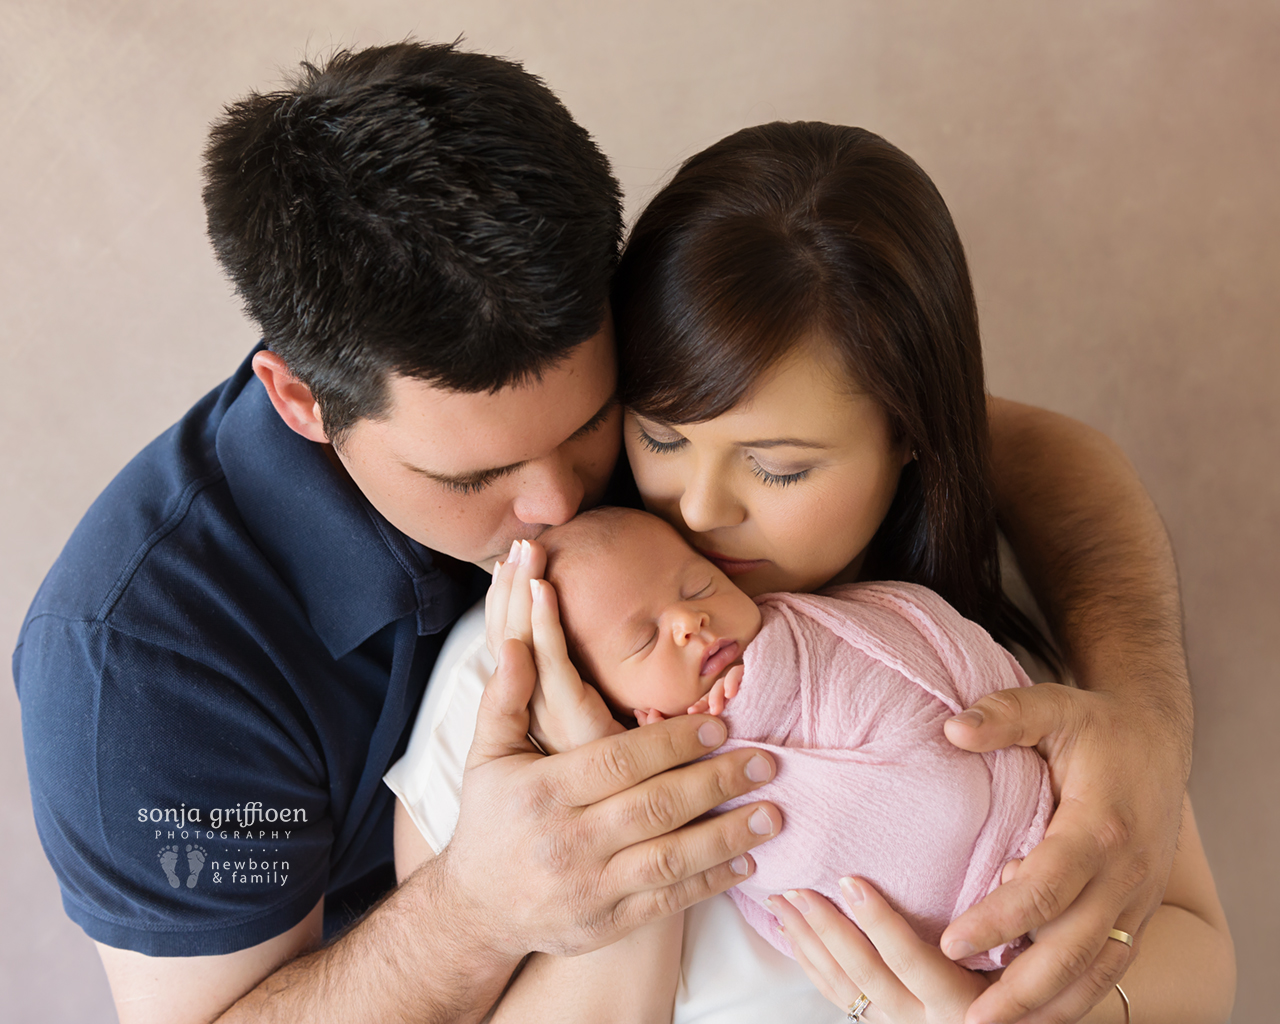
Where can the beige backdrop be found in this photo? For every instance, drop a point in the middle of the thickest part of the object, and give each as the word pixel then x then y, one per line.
pixel 1112 167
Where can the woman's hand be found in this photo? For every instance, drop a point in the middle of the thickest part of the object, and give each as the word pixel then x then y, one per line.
pixel 564 712
pixel 907 980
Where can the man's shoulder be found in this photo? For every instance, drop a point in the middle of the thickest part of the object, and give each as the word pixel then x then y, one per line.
pixel 175 484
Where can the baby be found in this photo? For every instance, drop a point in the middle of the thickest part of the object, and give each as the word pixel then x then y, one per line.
pixel 849 690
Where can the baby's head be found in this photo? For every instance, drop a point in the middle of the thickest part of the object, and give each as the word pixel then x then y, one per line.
pixel 648 620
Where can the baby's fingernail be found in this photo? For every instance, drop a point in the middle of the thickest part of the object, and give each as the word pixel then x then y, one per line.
pixel 971 718
pixel 760 823
pixel 711 734
pixel 852 890
pixel 758 769
pixel 740 865
pixel 796 900
pixel 959 949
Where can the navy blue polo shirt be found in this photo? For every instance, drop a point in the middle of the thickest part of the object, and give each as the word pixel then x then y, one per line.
pixel 214 677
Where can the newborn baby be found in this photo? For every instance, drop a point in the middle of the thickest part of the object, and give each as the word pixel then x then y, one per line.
pixel 849 690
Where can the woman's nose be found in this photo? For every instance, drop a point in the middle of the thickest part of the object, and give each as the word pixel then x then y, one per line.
pixel 708 505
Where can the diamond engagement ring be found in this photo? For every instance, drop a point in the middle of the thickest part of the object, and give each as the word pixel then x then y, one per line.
pixel 857 1008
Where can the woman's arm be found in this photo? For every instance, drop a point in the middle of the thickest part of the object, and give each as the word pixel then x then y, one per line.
pixel 632 981
pixel 1182 970
pixel 1095 552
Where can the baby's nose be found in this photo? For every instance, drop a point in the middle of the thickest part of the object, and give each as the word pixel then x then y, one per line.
pixel 687 624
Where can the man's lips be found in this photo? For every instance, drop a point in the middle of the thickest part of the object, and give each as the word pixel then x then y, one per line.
pixel 732 566
pixel 720 655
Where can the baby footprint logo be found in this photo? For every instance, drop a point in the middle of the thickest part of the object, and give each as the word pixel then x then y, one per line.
pixel 195 862
pixel 169 860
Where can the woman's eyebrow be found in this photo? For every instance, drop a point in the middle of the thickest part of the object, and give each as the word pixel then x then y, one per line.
pixel 783 442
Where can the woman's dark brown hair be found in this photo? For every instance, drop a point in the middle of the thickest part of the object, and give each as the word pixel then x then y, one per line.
pixel 789 231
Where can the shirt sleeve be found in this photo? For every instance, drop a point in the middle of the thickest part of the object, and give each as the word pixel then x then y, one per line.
pixel 182 810
pixel 428 778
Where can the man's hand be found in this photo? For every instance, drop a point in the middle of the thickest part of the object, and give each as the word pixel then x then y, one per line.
pixel 1104 861
pixel 564 712
pixel 567 853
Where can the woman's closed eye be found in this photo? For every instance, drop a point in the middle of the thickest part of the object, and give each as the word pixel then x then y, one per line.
pixel 666 441
pixel 776 478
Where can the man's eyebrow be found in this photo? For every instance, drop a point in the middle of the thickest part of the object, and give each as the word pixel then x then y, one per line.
pixel 485 475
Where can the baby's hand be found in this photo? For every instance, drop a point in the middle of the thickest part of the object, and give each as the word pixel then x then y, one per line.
pixel 650 717
pixel 714 700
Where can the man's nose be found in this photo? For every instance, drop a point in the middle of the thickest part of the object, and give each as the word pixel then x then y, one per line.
pixel 550 492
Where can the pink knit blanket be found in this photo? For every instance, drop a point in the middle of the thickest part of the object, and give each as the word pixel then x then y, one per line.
pixel 849 690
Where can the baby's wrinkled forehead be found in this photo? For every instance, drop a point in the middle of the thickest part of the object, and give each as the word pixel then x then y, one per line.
pixel 605 538
pixel 606 557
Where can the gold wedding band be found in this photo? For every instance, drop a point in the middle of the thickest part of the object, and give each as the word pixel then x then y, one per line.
pixel 857 1008
pixel 1120 936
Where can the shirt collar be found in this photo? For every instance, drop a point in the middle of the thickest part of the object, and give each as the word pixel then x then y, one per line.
pixel 350 569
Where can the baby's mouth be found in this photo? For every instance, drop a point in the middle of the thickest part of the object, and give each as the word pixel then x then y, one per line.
pixel 720 655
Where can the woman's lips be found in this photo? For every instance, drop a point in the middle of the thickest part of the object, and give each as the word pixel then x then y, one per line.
pixel 720 655
pixel 733 566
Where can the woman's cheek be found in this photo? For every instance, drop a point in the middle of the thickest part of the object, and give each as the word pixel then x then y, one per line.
pixel 657 479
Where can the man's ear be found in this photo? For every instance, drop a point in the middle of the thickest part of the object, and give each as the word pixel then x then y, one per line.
pixel 292 399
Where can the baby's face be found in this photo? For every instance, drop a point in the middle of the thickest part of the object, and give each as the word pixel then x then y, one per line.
pixel 656 624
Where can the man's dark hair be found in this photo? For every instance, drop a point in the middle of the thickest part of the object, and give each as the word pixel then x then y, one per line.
pixel 417 210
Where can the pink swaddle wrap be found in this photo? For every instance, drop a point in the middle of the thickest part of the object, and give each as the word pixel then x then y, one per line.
pixel 849 690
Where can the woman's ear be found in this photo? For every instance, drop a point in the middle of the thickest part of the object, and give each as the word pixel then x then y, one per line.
pixel 291 398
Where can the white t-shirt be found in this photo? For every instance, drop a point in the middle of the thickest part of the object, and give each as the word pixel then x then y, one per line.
pixel 728 973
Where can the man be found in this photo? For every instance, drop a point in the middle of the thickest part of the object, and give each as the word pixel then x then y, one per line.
pixel 229 652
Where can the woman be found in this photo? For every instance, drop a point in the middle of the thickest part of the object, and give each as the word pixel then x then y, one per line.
pixel 800 357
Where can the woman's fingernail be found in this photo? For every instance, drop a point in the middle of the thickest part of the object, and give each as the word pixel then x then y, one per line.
pixel 740 865
pixel 796 900
pixel 760 823
pixel 514 553
pixel 711 734
pixel 971 718
pixel 959 949
pixel 852 890
pixel 535 587
pixel 758 769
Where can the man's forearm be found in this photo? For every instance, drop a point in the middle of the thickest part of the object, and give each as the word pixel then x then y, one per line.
pixel 415 957
pixel 1096 553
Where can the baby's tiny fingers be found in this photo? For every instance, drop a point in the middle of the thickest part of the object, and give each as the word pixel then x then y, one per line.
pixel 732 680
